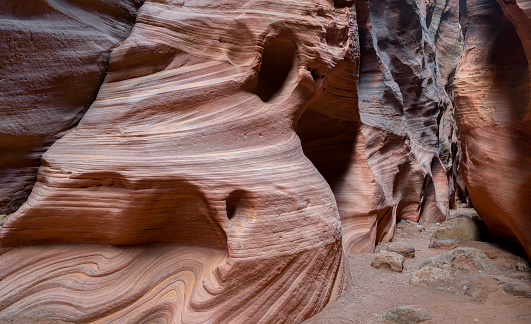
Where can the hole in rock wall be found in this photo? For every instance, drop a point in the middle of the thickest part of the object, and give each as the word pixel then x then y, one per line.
pixel 278 59
pixel 232 203
pixel 240 208
pixel 329 144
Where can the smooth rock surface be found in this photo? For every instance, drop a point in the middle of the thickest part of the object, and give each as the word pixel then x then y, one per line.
pixel 492 98
pixel 53 58
pixel 191 142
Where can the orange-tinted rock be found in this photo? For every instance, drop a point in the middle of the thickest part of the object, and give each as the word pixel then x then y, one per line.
pixel 492 99
pixel 192 141
pixel 53 58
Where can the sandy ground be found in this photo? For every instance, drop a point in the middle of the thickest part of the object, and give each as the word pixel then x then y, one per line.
pixel 375 291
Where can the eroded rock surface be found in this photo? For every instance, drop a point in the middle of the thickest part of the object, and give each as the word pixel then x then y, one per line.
pixel 389 260
pixel 192 141
pixel 53 58
pixel 408 314
pixel 458 229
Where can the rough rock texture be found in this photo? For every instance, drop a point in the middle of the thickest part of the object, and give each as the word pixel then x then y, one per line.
pixel 404 249
pixel 53 58
pixel 492 97
pixel 408 314
pixel 518 289
pixel 405 119
pixel 458 229
pixel 192 141
pixel 388 260
pixel 461 260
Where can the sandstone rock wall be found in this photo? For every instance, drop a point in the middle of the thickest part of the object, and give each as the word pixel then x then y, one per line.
pixel 191 141
pixel 235 150
pixel 493 97
pixel 53 58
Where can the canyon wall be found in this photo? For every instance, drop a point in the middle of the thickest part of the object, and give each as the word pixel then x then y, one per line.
pixel 191 144
pixel 212 161
pixel 388 149
pixel 53 58
pixel 492 96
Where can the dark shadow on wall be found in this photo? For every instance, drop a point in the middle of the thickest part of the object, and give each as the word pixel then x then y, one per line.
pixel 328 143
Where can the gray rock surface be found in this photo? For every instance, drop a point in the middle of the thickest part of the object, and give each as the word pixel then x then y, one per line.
pixel 408 314
pixel 461 228
pixel 517 289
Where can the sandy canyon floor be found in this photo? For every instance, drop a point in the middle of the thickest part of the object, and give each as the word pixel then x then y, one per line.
pixel 376 291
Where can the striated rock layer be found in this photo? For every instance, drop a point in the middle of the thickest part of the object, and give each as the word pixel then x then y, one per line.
pixel 493 97
pixel 191 141
pixel 386 142
pixel 53 58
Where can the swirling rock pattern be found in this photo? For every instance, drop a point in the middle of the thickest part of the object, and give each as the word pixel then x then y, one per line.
pixel 191 141
pixel 492 98
pixel 53 58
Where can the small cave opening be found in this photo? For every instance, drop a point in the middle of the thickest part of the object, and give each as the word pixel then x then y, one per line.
pixel 329 144
pixel 232 203
pixel 279 58
pixel 240 206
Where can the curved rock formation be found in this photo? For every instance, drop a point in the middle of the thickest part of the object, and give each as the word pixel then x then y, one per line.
pixel 494 119
pixel 191 141
pixel 387 146
pixel 53 58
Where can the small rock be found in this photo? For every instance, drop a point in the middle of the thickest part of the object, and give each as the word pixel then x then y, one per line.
pixel 408 314
pixel 404 249
pixel 458 229
pixel 517 289
pixel 520 266
pixel 390 260
pixel 416 225
pixel 481 287
pixel 429 275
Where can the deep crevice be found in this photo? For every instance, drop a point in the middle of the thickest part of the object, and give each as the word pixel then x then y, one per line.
pixel 278 59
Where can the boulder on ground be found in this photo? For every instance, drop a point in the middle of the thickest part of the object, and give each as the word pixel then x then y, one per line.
pixel 408 314
pixel 459 260
pixel 517 289
pixel 458 229
pixel 404 249
pixel 389 260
